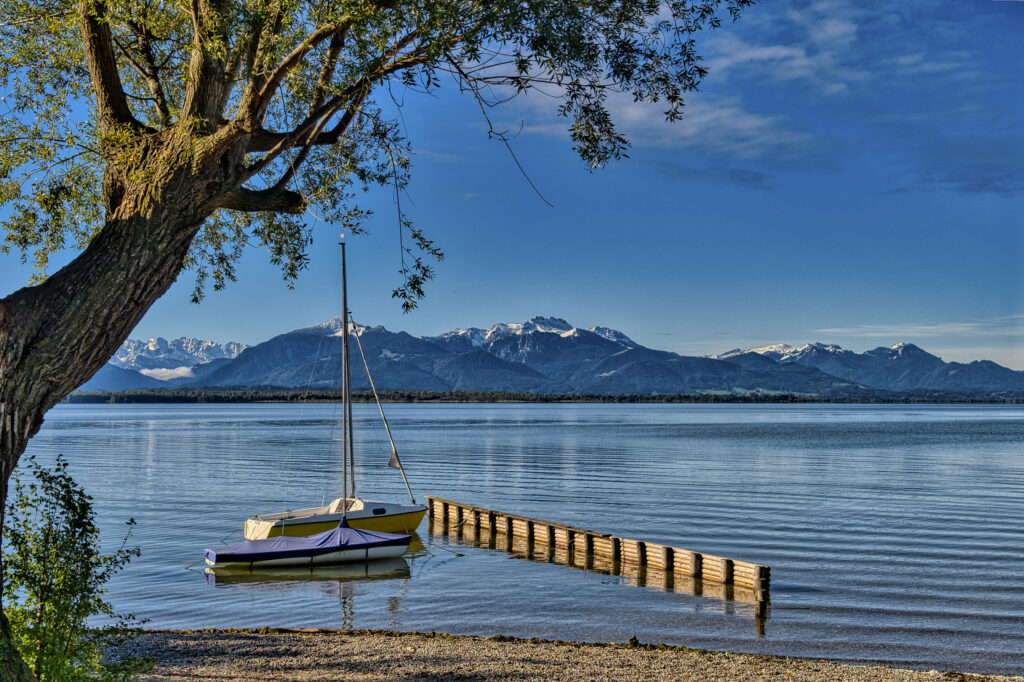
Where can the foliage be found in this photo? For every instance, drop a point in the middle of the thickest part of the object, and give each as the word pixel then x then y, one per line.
pixel 54 577
pixel 299 104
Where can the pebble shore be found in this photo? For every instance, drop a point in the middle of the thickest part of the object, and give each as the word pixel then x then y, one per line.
pixel 300 655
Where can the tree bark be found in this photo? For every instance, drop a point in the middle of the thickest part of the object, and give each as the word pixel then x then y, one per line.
pixel 56 335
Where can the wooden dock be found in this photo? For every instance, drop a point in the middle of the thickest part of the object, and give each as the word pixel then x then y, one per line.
pixel 624 554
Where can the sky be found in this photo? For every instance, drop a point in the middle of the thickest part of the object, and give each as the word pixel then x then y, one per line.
pixel 851 172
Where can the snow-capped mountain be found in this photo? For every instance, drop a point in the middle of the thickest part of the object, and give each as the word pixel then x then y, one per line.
pixel 782 352
pixel 899 367
pixel 614 335
pixel 549 345
pixel 160 358
pixel 544 355
pixel 474 337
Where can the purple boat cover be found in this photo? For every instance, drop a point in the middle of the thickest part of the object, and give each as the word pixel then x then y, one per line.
pixel 286 547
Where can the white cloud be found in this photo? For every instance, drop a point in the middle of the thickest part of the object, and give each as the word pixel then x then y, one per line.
pixel 441 157
pixel 715 124
pixel 1006 325
pixel 168 374
pixel 821 68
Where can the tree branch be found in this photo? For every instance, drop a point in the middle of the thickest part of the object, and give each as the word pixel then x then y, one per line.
pixel 206 68
pixel 305 134
pixel 267 140
pixel 99 55
pixel 294 164
pixel 275 143
pixel 327 70
pixel 256 101
pixel 148 70
pixel 275 200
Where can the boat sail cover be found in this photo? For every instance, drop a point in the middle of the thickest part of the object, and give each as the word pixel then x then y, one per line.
pixel 342 538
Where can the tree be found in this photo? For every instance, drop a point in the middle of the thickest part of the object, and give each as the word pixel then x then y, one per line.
pixel 55 565
pixel 160 136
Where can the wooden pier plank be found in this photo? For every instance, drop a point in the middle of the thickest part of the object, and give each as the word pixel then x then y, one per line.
pixel 579 545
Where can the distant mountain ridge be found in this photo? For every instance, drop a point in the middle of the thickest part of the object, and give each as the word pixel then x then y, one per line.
pixel 159 363
pixel 900 367
pixel 159 353
pixel 543 355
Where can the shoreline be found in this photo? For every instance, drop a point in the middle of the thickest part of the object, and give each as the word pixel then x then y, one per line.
pixel 333 654
pixel 268 394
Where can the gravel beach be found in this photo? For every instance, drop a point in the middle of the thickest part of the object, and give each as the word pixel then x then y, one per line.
pixel 227 655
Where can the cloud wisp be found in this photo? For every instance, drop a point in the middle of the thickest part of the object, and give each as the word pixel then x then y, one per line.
pixel 168 374
pixel 1005 325
pixel 915 78
pixel 741 177
pixel 716 125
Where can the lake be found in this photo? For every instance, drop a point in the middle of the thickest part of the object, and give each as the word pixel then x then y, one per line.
pixel 895 533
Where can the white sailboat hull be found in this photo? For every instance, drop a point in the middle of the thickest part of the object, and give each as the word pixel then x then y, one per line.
pixel 344 556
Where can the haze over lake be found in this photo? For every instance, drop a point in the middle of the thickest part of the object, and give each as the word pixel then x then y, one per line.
pixel 894 533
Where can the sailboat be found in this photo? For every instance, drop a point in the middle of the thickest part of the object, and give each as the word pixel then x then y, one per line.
pixel 340 545
pixel 361 513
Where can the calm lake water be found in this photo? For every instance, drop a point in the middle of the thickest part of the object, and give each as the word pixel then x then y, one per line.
pixel 894 533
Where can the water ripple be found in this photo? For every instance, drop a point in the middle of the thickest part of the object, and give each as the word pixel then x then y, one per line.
pixel 894 532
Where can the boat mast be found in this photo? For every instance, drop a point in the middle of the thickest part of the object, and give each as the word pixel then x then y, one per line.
pixel 346 390
pixel 394 461
pixel 345 434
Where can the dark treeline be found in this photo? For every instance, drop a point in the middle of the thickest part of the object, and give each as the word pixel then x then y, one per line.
pixel 249 395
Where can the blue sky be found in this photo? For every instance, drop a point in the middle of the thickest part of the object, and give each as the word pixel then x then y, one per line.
pixel 851 172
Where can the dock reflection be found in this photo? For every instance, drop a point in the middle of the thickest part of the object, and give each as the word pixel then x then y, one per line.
pixel 639 576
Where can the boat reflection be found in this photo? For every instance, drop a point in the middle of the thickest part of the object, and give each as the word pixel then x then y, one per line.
pixel 381 569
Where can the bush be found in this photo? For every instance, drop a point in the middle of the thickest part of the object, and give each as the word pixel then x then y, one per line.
pixel 54 580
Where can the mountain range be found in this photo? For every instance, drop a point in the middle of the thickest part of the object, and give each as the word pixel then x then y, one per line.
pixel 543 355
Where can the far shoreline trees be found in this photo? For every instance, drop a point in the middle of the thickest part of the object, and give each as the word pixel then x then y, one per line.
pixel 289 395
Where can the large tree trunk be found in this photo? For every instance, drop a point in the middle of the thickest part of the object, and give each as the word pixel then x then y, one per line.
pixel 55 336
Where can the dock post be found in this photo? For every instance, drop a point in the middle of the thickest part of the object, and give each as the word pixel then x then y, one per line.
pixel 762 582
pixel 450 516
pixel 727 570
pixel 668 559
